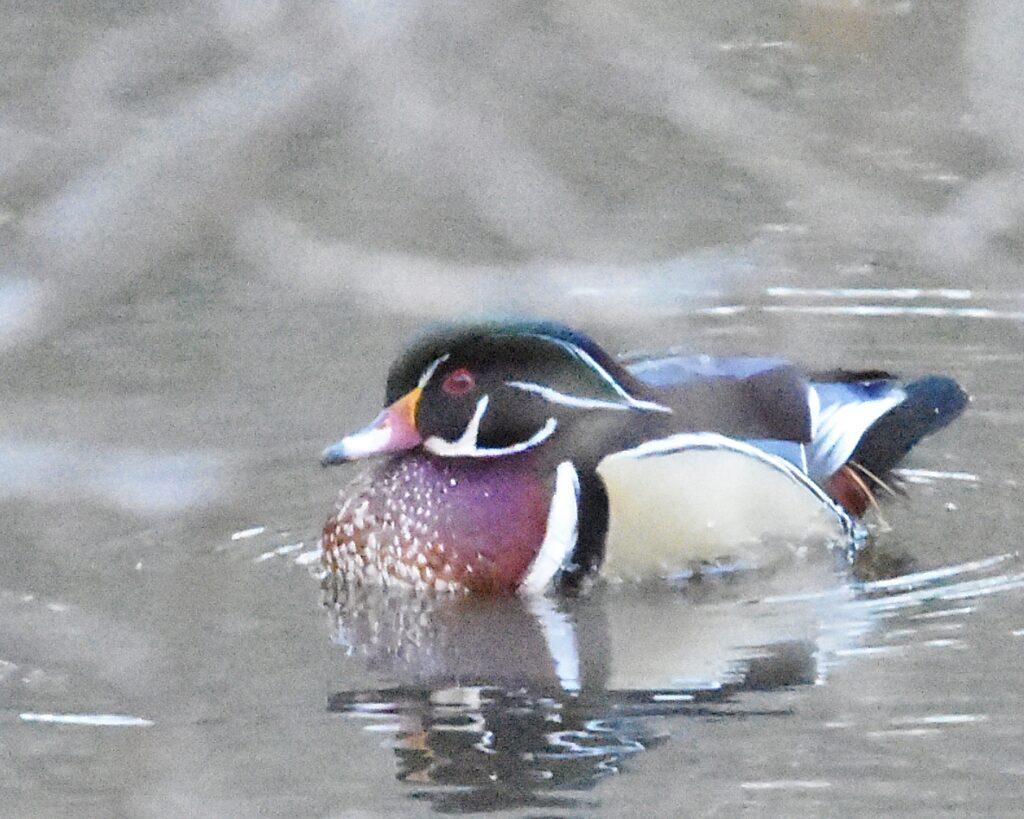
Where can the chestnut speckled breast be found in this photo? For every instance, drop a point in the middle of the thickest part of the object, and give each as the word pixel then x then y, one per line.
pixel 521 457
pixel 441 524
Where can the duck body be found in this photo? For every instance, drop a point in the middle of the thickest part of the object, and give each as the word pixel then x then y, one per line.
pixel 522 458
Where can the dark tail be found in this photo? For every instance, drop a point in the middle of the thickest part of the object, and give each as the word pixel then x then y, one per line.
pixel 931 403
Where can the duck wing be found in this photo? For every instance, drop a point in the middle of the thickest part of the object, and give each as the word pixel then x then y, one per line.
pixel 759 398
pixel 819 422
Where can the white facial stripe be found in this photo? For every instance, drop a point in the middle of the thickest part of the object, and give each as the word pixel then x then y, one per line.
pixel 560 534
pixel 606 376
pixel 539 436
pixel 589 360
pixel 466 446
pixel 556 397
pixel 429 372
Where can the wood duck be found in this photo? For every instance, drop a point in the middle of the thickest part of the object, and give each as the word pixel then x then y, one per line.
pixel 521 457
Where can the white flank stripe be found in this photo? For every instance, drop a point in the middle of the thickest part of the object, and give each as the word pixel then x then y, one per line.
pixel 560 534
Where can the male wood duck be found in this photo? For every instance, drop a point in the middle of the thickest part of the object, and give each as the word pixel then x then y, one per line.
pixel 522 457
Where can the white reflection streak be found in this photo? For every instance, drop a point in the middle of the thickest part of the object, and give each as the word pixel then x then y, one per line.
pixel 287 549
pixel 902 293
pixel 90 720
pixel 930 475
pixel 247 533
pixel 866 311
pixel 940 719
pixel 885 310
pixel 560 636
pixel 910 581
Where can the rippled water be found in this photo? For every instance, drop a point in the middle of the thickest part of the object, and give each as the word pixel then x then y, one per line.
pixel 534 704
pixel 220 222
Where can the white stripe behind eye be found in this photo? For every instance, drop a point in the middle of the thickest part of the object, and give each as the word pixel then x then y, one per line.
pixel 588 359
pixel 591 362
pixel 555 397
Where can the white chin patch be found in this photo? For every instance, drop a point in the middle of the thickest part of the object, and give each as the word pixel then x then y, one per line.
pixel 466 445
pixel 560 534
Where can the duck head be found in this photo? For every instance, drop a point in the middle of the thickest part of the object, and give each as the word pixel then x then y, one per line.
pixel 488 390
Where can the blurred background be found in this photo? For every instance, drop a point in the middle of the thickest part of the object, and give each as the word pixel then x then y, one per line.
pixel 219 221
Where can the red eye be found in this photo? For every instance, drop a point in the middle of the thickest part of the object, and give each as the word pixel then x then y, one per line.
pixel 458 382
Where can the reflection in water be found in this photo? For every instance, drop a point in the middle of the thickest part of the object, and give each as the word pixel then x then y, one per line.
pixel 487 748
pixel 514 703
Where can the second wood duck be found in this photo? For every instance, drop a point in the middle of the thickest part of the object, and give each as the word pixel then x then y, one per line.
pixel 521 457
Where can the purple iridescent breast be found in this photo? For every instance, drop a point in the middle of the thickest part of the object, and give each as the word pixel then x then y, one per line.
pixel 446 524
